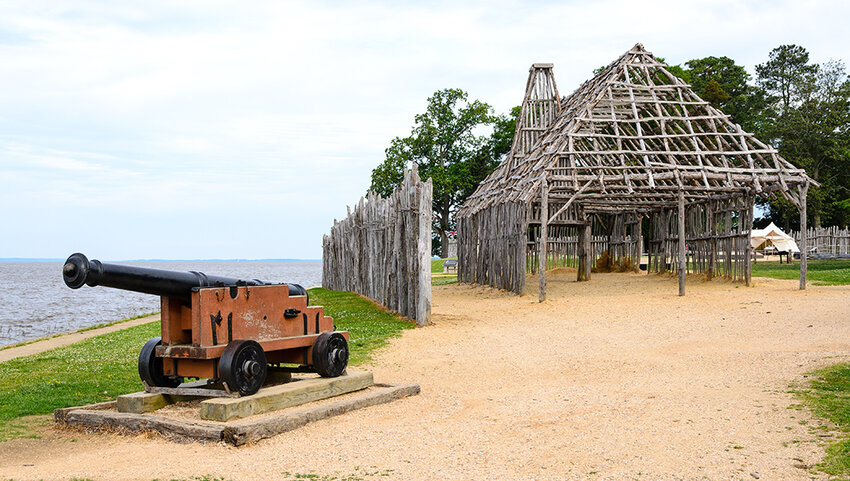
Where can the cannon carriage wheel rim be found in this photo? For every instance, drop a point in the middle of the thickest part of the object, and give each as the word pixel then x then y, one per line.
pixel 330 354
pixel 243 366
pixel 150 366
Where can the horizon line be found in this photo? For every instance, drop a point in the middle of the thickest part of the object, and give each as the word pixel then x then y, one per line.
pixel 52 259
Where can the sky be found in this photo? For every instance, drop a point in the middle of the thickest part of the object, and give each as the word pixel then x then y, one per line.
pixel 220 130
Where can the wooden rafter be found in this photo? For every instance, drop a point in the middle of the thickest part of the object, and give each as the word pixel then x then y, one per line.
pixel 636 128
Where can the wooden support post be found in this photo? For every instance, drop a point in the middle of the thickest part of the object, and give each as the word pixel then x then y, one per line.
pixel 544 228
pixel 423 300
pixel 583 253
pixel 588 252
pixel 748 265
pixel 664 235
pixel 639 243
pixel 711 207
pixel 682 260
pixel 804 238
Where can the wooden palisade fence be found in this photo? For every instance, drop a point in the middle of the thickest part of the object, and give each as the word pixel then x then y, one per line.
pixel 826 240
pixel 382 250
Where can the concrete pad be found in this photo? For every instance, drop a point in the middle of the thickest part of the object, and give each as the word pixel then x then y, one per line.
pixel 283 396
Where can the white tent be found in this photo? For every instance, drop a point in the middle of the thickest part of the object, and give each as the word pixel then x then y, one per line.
pixel 772 235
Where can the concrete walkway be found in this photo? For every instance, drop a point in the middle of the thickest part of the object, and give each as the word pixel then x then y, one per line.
pixel 70 338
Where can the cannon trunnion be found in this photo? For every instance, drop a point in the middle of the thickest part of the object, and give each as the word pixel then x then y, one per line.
pixel 221 328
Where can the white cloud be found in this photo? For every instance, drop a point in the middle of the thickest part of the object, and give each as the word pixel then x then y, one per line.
pixel 174 118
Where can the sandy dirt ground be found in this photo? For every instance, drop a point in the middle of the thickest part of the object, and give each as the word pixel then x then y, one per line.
pixel 617 378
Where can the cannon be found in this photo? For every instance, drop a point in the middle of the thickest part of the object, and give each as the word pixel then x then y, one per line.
pixel 224 329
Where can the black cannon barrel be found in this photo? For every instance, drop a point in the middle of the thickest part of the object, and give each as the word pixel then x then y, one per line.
pixel 79 270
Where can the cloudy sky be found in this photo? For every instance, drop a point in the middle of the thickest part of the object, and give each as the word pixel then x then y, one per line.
pixel 200 129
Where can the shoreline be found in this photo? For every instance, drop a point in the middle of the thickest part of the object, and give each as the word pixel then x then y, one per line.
pixel 37 346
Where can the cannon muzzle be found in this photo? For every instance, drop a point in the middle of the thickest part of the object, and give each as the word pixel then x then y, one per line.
pixel 79 270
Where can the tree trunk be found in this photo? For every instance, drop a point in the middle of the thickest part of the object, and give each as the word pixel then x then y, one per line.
pixel 444 239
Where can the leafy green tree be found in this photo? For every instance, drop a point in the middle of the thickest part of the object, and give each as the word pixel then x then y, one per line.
pixel 810 112
pixel 447 145
pixel 721 82
pixel 714 93
pixel 782 74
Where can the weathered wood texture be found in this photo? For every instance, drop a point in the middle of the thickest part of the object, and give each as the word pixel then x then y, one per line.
pixel 104 417
pixel 616 234
pixel 825 240
pixel 284 396
pixel 632 142
pixel 251 430
pixel 717 239
pixel 382 250
pixel 491 247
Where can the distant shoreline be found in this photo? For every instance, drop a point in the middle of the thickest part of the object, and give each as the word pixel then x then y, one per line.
pixel 37 259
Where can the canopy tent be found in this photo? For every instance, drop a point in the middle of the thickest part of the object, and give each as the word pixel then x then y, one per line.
pixel 772 235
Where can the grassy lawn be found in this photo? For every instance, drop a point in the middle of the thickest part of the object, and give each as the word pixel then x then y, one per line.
pixel 369 325
pixel 821 272
pixel 437 265
pixel 437 268
pixel 102 367
pixel 444 280
pixel 828 396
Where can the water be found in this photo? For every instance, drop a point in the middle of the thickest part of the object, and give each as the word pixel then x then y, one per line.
pixel 35 302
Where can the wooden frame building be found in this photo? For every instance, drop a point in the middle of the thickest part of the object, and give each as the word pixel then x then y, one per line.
pixel 632 143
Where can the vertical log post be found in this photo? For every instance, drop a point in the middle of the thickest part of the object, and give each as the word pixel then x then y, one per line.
pixel 588 248
pixel 748 266
pixel 639 243
pixel 682 260
pixel 544 228
pixel 712 243
pixel 423 301
pixel 665 229
pixel 583 257
pixel 804 238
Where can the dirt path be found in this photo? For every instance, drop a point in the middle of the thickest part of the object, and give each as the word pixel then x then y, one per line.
pixel 70 338
pixel 617 378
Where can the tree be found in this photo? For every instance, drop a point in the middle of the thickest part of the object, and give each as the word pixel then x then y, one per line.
pixel 781 74
pixel 810 111
pixel 446 146
pixel 722 83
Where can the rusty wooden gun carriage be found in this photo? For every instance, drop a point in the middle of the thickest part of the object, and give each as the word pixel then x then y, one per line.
pixel 224 329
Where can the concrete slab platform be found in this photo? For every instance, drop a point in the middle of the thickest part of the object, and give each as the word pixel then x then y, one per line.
pixel 104 416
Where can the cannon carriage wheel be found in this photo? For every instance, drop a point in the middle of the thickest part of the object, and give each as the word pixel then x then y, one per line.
pixel 243 367
pixel 150 367
pixel 330 354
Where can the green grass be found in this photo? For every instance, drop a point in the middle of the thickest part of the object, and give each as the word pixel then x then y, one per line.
pixel 369 325
pixel 821 272
pixel 828 397
pixel 444 280
pixel 97 369
pixel 103 367
pixel 437 268
pixel 437 264
pixel 107 324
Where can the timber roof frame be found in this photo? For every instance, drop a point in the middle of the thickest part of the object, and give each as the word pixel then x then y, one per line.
pixel 628 140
